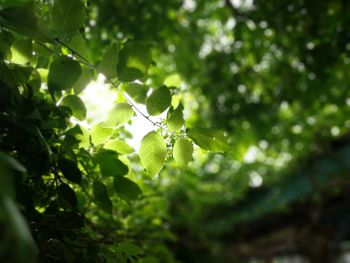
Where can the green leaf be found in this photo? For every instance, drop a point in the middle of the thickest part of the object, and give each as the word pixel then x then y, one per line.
pixel 210 140
pixel 70 170
pixel 182 152
pixel 126 189
pixel 118 146
pixel 173 80
pixel 24 21
pixel 100 135
pixel 120 114
pixel 78 45
pixel 15 224
pixel 134 61
pixel 158 101
pixel 67 196
pixel 12 163
pixel 21 51
pixel 101 197
pixel 83 81
pixel 63 73
pixel 110 165
pixel 149 259
pixel 176 120
pixel 138 92
pixel 76 105
pixel 153 152
pixel 6 40
pixel 108 65
pixel 68 16
pixel 130 248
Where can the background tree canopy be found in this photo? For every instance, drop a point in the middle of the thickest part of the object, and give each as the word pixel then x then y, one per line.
pixel 248 158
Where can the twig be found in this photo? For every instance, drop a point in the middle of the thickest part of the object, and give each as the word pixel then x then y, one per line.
pixel 86 62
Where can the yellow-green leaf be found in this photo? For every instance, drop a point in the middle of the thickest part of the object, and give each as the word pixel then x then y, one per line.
pixel 176 120
pixel 211 140
pixel 119 146
pixel 120 114
pixel 21 51
pixel 182 152
pixel 153 152
pixel 100 134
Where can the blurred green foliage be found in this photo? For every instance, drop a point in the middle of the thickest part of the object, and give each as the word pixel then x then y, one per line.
pixel 264 87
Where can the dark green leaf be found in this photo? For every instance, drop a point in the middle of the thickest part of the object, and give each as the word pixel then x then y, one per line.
pixel 67 196
pixel 138 92
pixel 108 65
pixel 110 165
pixel 68 16
pixel 70 170
pixel 78 45
pixel 210 140
pixel 130 248
pixel 24 21
pixel 11 162
pixel 134 61
pixel 101 197
pixel 158 101
pixel 126 189
pixel 6 40
pixel 64 72
pixel 76 105
pixel 153 152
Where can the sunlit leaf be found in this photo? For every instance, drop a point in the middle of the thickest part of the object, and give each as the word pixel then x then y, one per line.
pixel 68 15
pixel 126 189
pixel 118 146
pixel 21 51
pixel 120 114
pixel 76 105
pixel 176 120
pixel 211 140
pixel 100 134
pixel 182 152
pixel 153 152
pixel 173 80
pixel 158 101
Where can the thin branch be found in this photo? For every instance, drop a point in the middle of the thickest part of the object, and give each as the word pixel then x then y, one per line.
pixel 86 62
